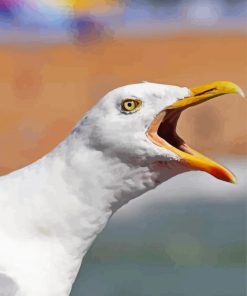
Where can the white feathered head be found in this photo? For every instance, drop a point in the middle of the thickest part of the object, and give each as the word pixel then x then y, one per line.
pixel 137 123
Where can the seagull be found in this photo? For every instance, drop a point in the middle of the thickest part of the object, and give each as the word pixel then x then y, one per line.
pixel 53 209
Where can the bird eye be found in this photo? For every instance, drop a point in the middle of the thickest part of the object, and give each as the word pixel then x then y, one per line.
pixel 131 105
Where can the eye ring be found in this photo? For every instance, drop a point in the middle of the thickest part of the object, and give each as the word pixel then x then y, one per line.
pixel 131 105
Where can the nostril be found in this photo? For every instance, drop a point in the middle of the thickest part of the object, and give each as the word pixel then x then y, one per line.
pixel 206 91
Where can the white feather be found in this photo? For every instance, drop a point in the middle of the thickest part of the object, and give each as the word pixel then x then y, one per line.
pixel 52 210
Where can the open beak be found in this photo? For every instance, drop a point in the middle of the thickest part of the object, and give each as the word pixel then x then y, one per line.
pixel 162 130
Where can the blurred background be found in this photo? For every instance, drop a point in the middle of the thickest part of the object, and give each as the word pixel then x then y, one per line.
pixel 58 57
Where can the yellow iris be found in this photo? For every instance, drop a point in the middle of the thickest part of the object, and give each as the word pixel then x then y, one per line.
pixel 131 105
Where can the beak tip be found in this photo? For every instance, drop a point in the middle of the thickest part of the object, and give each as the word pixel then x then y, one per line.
pixel 222 173
pixel 234 180
pixel 240 92
pixel 231 178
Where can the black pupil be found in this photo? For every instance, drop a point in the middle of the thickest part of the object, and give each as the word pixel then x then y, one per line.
pixel 129 104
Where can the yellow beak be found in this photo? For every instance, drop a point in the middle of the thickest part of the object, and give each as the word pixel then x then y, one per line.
pixel 192 158
pixel 206 92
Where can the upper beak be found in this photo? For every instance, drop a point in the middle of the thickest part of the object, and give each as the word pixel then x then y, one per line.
pixel 206 92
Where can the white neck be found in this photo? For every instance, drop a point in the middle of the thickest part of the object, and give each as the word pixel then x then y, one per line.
pixel 58 206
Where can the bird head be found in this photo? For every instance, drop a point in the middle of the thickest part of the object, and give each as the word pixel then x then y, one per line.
pixel 137 124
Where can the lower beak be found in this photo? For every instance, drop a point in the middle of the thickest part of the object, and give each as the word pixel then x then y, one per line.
pixel 189 156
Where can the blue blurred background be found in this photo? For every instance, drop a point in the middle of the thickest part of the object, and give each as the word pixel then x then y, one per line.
pixel 58 17
pixel 188 237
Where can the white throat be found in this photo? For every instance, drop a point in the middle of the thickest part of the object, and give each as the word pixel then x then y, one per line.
pixel 58 206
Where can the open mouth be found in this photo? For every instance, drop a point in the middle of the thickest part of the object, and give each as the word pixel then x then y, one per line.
pixel 162 131
pixel 167 130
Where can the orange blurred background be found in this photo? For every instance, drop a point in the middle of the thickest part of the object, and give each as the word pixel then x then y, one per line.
pixel 45 89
